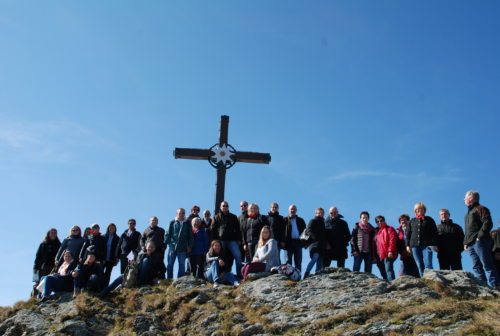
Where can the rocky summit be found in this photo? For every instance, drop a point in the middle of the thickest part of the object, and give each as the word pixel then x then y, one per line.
pixel 334 302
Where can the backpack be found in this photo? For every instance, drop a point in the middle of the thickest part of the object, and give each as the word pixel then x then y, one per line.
pixel 130 275
pixel 288 270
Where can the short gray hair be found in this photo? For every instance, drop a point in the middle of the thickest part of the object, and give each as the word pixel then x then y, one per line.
pixel 474 194
pixel 445 210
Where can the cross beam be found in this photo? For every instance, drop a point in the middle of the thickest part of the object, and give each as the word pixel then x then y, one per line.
pixel 221 156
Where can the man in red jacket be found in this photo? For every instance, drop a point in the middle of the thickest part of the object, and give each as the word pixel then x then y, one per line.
pixel 386 241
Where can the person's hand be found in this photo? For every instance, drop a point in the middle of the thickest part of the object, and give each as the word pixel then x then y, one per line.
pixel 408 249
pixel 283 244
pixel 245 247
pixel 255 259
pixel 74 274
pixel 221 263
pixel 189 249
pixel 355 254
pixel 390 255
pixel 465 247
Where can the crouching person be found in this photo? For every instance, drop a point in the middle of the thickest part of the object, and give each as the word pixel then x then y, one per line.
pixel 61 281
pixel 216 267
pixel 150 268
pixel 88 275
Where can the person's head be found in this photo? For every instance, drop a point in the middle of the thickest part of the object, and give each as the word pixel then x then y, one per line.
pixel 274 207
pixel 404 219
pixel 95 228
pixel 420 209
pixel 319 212
pixel 215 248
pixel 131 224
pixel 244 206
pixel 471 197
pixel 224 207
pixel 90 258
pixel 380 220
pixel 253 209
pixel 180 214
pixel 207 214
pixel 444 214
pixel 292 210
pixel 364 217
pixel 75 231
pixel 87 232
pixel 195 210
pixel 67 256
pixel 265 235
pixel 51 235
pixel 150 247
pixel 334 212
pixel 196 222
pixel 111 229
pixel 153 221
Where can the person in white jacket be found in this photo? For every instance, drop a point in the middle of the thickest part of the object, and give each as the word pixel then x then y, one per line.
pixel 266 255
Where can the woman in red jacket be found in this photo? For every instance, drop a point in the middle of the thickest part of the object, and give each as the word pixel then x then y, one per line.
pixel 386 240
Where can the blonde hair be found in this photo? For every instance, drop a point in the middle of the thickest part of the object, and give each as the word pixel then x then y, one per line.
pixel 253 205
pixel 419 205
pixel 261 239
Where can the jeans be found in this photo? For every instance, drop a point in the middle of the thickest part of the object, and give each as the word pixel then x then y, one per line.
pixel 92 283
pixel 213 275
pixel 315 259
pixel 234 249
pixel 181 260
pixel 295 250
pixel 389 269
pixel 382 268
pixel 423 257
pixel 117 282
pixel 52 284
pixel 482 261
pixel 365 257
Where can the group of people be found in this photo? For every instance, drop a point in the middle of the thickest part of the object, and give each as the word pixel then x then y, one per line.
pixel 253 242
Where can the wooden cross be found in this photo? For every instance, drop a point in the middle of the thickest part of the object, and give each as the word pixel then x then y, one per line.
pixel 221 156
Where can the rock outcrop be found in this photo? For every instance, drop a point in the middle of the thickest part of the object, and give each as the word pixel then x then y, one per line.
pixel 335 302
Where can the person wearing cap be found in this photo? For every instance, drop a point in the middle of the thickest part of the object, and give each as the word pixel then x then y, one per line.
pixel 73 243
pixel 130 241
pixel 99 243
pixel 89 274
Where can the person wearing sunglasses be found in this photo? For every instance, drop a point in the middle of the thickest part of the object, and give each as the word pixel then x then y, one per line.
pixel 73 243
pixel 386 242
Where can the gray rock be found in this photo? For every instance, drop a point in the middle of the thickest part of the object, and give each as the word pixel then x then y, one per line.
pixel 460 283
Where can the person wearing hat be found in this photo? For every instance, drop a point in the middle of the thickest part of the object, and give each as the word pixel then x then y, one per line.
pixel 89 274
pixel 99 243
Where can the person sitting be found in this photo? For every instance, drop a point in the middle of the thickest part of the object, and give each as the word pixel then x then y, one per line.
pixel 45 257
pixel 215 266
pixel 59 281
pixel 266 255
pixel 89 274
pixel 150 268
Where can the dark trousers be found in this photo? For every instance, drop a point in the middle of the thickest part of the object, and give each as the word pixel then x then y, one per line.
pixel 250 252
pixel 92 283
pixel 382 269
pixel 253 267
pixel 197 265
pixel 327 261
pixel 108 268
pixel 295 251
pixel 450 262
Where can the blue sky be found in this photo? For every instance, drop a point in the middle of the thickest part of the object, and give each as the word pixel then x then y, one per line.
pixel 368 105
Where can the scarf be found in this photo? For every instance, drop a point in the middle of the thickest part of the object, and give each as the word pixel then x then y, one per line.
pixel 421 217
pixel 365 227
pixel 253 216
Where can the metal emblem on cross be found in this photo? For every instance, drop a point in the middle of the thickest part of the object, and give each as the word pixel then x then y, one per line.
pixel 221 156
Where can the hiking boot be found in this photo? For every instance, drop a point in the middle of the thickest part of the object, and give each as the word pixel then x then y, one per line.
pixel 306 275
pixel 77 292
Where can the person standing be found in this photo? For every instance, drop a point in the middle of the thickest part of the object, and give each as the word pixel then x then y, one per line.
pixel 195 212
pixel 179 239
pixel 45 258
pixel 477 241
pixel 277 224
pixel 130 241
pixel 198 254
pixel 408 266
pixel 422 237
pixel 495 234
pixel 362 243
pixel 226 229
pixel 294 226
pixel 386 241
pixel 73 243
pixel 337 238
pixel 251 230
pixel 96 240
pixel 449 242
pixel 112 255
pixel 317 247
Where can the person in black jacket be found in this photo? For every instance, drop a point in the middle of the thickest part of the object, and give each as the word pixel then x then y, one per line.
pixel 277 224
pixel 495 235
pixel 449 243
pixel 337 238
pixel 130 241
pixel 45 257
pixel 478 224
pixel 422 237
pixel 226 228
pixel 89 274
pixel 112 256
pixel 96 240
pixel 293 228
pixel 251 231
pixel 317 247
pixel 363 246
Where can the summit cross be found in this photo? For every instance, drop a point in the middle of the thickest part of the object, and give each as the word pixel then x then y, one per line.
pixel 221 156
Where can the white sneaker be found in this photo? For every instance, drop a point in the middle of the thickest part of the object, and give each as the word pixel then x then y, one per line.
pixel 216 284
pixel 236 284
